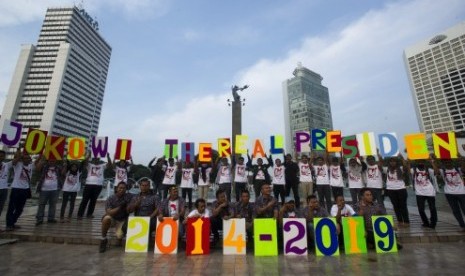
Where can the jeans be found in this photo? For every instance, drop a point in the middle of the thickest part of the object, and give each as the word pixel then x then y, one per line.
pixel 324 196
pixel 432 209
pixel 187 192
pixel 337 191
pixel 71 197
pixel 50 198
pixel 295 191
pixel 457 203
pixel 377 195
pixel 354 194
pixel 89 196
pixel 226 187
pixel 279 192
pixel 257 187
pixel 3 196
pixel 238 188
pixel 18 199
pixel 399 202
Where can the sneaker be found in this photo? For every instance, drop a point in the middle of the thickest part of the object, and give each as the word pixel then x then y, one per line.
pixel 9 228
pixel 103 245
pixel 16 227
pixel 79 218
pixel 52 221
pixel 39 222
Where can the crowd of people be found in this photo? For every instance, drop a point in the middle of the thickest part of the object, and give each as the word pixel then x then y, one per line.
pixel 318 180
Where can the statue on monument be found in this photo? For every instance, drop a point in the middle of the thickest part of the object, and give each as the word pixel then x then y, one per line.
pixel 236 88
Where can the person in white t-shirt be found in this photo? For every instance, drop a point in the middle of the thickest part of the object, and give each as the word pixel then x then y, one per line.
pixel 278 178
pixel 48 189
pixel 20 187
pixel 122 169
pixel 200 210
pixel 337 169
pixel 93 185
pixel 374 177
pixel 322 180
pixel 4 171
pixel 341 209
pixel 240 176
pixel 305 176
pixel 71 186
pixel 354 175
pixel 224 176
pixel 425 191
pixel 187 182
pixel 204 182
pixel 395 188
pixel 169 180
pixel 454 189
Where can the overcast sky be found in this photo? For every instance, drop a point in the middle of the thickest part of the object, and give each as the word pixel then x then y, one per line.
pixel 174 62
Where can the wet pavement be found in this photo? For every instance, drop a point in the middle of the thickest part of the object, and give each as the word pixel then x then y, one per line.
pixel 32 258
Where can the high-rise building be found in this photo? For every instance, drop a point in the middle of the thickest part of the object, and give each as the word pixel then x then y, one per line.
pixel 306 104
pixel 436 71
pixel 58 85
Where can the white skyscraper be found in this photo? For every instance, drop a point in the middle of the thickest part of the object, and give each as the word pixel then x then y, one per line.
pixel 58 85
pixel 436 71
pixel 306 105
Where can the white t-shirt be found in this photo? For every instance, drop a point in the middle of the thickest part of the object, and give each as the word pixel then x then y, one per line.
pixel 195 213
pixel 347 211
pixel 72 183
pixel 170 175
pixel 321 175
pixel 240 174
pixel 355 178
pixel 224 174
pixel 305 172
pixel 173 206
pixel 187 180
pixel 423 185
pixel 374 177
pixel 278 175
pixel 121 175
pixel 4 169
pixel 22 175
pixel 207 177
pixel 50 180
pixel 335 176
pixel 95 174
pixel 453 182
pixel 392 181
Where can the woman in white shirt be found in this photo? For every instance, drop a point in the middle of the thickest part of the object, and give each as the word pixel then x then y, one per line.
pixel 395 188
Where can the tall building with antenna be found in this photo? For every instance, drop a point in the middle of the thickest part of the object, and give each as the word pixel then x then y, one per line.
pixel 306 104
pixel 58 85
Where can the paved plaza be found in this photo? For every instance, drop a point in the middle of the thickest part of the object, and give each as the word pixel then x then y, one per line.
pixel 32 258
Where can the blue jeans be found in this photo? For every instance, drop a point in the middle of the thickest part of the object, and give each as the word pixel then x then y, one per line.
pixel 50 198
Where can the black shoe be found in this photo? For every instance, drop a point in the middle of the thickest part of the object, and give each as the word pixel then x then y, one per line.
pixel 103 245
pixel 425 225
pixel 9 228
pixel 39 222
pixel 16 227
pixel 399 246
pixel 52 221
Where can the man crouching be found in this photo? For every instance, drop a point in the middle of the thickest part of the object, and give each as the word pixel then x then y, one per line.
pixel 116 214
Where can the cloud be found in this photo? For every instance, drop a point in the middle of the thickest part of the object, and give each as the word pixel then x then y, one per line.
pixel 14 12
pixel 361 64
